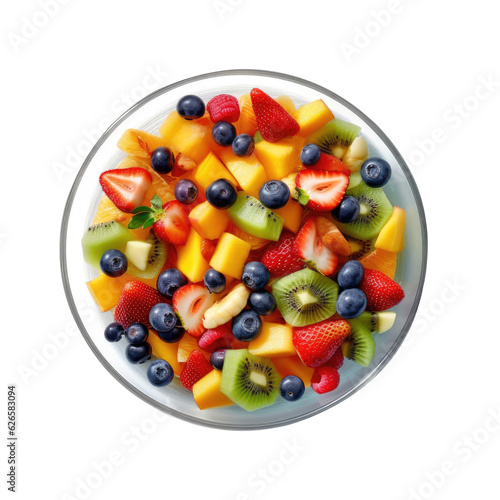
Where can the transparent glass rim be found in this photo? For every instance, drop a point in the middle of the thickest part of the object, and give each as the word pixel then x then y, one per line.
pixel 280 76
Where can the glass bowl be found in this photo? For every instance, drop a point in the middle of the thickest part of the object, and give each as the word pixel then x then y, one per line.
pixel 148 114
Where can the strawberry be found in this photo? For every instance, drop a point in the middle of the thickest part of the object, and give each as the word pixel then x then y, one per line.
pixel 273 121
pixel 224 107
pixel 190 303
pixel 280 257
pixel 330 162
pixel 136 300
pixel 337 360
pixel 195 369
pixel 381 292
pixel 126 187
pixel 316 344
pixel 207 249
pixel 217 338
pixel 321 190
pixel 309 246
pixel 325 379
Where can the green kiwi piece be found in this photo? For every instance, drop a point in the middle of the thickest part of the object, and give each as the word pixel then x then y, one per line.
pixel 257 137
pixel 250 381
pixel 375 211
pixel 376 322
pixel 250 215
pixel 305 297
pixel 102 237
pixel 335 137
pixel 360 345
pixel 157 258
pixel 360 248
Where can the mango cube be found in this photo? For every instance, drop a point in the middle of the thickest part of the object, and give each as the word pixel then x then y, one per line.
pixel 165 350
pixel 292 214
pixel 274 341
pixel 391 236
pixel 294 366
pixel 312 116
pixel 208 221
pixel 209 170
pixel 190 260
pixel 230 255
pixel 280 158
pixel 207 393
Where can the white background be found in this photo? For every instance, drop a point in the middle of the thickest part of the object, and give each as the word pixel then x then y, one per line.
pixel 430 409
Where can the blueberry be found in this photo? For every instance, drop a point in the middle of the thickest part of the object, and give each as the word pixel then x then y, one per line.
pixel 160 373
pixel 310 154
pixel 255 275
pixel 169 281
pixel 186 191
pixel 214 281
pixel 221 194
pixel 191 107
pixel 113 332
pixel 162 160
pixel 113 263
pixel 136 333
pixel 224 133
pixel 292 388
pixel 376 172
pixel 351 303
pixel 243 145
pixel 138 354
pixel 274 194
pixel 162 317
pixel 347 210
pixel 247 325
pixel 350 275
pixel 217 359
pixel 173 335
pixel 262 302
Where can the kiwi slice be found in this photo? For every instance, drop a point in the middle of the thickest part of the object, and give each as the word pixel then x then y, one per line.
pixel 250 215
pixel 376 322
pixel 360 345
pixel 335 137
pixel 250 381
pixel 102 237
pixel 375 211
pixel 257 137
pixel 359 248
pixel 305 297
pixel 157 257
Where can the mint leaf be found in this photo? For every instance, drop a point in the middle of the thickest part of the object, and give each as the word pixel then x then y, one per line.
pixel 142 209
pixel 156 202
pixel 149 223
pixel 138 220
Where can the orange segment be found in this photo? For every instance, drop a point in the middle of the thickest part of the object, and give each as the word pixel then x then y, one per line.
pixel 247 123
pixel 381 260
pixel 139 143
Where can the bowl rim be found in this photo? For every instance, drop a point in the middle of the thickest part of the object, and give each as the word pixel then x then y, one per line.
pixel 238 426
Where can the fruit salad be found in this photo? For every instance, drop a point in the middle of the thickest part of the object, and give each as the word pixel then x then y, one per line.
pixel 247 248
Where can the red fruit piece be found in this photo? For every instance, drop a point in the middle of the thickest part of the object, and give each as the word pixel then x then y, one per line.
pixel 207 249
pixel 309 246
pixel 337 360
pixel 126 187
pixel 190 303
pixel 321 190
pixel 195 369
pixel 315 344
pixel 325 379
pixel 217 338
pixel 273 121
pixel 280 257
pixel 381 292
pixel 330 162
pixel 224 107
pixel 173 226
pixel 136 300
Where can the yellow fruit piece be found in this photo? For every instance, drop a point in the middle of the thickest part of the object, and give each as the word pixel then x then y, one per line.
pixel 255 242
pixel 207 393
pixel 247 123
pixel 209 170
pixel 274 341
pixel 230 255
pixel 312 116
pixel 287 103
pixel 294 366
pixel 186 346
pixel 165 350
pixel 208 221
pixel 292 214
pixel 248 171
pixel 229 306
pixel 139 143
pixel 190 260
pixel 280 158
pixel 187 136
pixel 391 236
pixel 381 260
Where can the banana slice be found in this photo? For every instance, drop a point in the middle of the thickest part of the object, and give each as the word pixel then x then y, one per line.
pixel 356 155
pixel 227 308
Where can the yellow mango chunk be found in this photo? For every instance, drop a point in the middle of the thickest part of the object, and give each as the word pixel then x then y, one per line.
pixel 230 255
pixel 209 170
pixel 280 158
pixel 294 366
pixel 312 116
pixel 207 393
pixel 165 350
pixel 391 236
pixel 248 171
pixel 208 221
pixel 190 260
pixel 287 103
pixel 274 341
pixel 292 214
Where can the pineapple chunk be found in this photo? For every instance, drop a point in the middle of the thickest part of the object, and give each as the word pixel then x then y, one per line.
pixel 137 252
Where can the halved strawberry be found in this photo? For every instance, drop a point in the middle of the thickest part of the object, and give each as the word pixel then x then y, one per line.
pixel 280 257
pixel 337 360
pixel 330 162
pixel 207 249
pixel 126 187
pixel 195 369
pixel 321 190
pixel 309 246
pixel 190 303
pixel 173 226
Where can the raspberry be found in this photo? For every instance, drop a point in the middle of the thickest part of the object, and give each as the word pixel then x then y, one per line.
pixel 224 107
pixel 325 379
